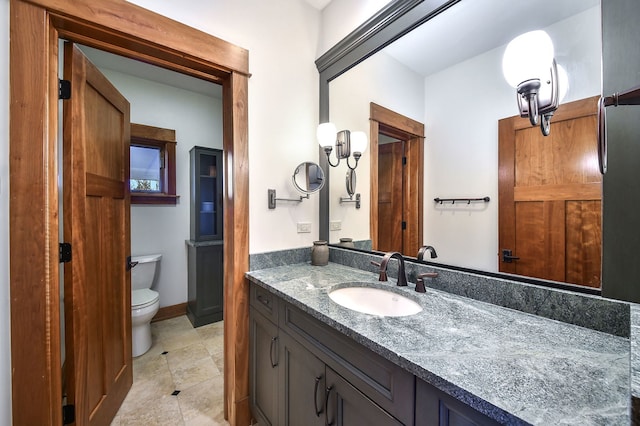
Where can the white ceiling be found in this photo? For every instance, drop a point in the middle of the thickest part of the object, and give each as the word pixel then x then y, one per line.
pixel 151 72
pixel 472 27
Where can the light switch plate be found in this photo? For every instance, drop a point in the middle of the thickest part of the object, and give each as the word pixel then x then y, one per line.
pixel 335 225
pixel 304 227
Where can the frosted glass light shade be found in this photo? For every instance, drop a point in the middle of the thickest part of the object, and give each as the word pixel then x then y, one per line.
pixel 326 134
pixel 527 56
pixel 358 142
pixel 563 83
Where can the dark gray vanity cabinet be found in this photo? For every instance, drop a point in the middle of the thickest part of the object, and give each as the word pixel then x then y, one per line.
pixel 205 248
pixel 302 384
pixel 434 407
pixel 315 379
pixel 263 368
pixel 346 405
pixel 303 372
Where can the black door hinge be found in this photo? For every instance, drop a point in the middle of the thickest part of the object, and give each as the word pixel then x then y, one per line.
pixel 404 225
pixel 404 161
pixel 64 252
pixel 64 89
pixel 68 414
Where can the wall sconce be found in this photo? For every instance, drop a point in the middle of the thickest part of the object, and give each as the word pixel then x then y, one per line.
pixel 529 66
pixel 347 143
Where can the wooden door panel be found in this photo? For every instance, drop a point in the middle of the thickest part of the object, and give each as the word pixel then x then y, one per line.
pixel 390 197
pixel 529 244
pixel 550 191
pixel 584 242
pixel 96 222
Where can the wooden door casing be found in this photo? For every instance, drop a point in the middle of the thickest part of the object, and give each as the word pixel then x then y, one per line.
pixel 550 195
pixel 390 123
pixel 96 222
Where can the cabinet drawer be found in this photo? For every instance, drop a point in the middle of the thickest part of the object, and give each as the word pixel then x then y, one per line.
pixel 264 302
pixel 388 385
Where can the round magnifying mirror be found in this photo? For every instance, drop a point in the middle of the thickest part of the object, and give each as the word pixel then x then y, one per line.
pixel 308 177
pixel 351 182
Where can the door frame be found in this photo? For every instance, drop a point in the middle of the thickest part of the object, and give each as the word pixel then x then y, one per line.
pixel 412 132
pixel 128 30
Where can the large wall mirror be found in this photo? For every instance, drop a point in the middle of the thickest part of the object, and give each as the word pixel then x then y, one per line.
pixel 440 64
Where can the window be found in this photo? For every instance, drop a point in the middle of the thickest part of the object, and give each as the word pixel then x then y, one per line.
pixel 152 165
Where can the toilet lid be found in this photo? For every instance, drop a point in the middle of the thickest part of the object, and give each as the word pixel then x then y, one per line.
pixel 143 298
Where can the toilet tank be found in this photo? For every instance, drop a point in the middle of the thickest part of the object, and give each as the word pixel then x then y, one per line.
pixel 144 273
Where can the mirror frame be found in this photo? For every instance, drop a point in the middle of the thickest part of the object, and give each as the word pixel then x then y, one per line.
pixel 386 26
pixel 296 172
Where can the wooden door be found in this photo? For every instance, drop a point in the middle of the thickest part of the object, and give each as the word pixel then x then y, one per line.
pixel 390 196
pixel 550 194
pixel 96 222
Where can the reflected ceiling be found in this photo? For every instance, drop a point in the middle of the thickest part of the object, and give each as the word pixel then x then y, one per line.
pixel 442 38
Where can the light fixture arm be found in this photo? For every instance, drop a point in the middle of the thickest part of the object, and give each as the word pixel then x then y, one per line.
pixel 327 150
pixel 356 156
pixel 528 89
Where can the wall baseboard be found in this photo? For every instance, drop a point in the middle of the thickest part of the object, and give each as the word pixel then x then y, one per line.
pixel 167 312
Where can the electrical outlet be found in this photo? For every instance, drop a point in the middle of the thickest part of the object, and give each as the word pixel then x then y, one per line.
pixel 335 225
pixel 304 227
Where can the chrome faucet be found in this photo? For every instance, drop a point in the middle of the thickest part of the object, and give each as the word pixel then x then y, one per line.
pixel 402 277
pixel 424 249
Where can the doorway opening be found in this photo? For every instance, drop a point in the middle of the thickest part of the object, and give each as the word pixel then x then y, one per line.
pixel 126 29
pixel 397 179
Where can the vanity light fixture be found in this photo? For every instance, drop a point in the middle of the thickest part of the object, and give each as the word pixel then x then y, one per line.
pixel 347 143
pixel 529 66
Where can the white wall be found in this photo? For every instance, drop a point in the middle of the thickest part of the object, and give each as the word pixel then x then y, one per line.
pixel 5 338
pixel 462 107
pixel 197 120
pixel 282 38
pixel 384 81
pixel 340 17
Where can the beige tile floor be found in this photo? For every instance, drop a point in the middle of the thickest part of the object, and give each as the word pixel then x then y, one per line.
pixel 193 365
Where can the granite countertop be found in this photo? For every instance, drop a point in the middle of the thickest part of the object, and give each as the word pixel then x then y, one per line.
pixel 517 368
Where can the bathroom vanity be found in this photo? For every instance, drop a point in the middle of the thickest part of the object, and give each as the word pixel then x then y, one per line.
pixel 458 361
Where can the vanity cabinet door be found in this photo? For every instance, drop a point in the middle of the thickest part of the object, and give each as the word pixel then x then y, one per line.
pixel 434 407
pixel 263 368
pixel 302 384
pixel 347 406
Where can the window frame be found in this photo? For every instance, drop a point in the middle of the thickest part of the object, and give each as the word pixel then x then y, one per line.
pixel 164 139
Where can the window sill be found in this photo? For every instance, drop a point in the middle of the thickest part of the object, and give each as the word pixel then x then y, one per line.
pixel 144 198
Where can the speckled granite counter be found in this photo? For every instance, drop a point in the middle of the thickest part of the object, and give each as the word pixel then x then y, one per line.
pixel 514 367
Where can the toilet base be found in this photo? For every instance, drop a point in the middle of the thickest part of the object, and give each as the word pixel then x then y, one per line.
pixel 141 328
pixel 140 339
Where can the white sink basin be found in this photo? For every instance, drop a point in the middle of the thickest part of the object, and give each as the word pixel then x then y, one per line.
pixel 375 301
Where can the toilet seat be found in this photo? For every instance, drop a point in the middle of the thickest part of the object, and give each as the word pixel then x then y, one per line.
pixel 143 297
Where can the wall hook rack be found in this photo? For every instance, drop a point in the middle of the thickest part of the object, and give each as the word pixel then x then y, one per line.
pixel 465 200
pixel 271 195
pixel 351 200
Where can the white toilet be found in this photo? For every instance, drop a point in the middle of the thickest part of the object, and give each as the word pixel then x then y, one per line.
pixel 144 301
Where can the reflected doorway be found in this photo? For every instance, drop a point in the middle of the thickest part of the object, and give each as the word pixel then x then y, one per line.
pixel 397 175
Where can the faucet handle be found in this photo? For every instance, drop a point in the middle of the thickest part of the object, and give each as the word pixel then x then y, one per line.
pixel 383 273
pixel 420 288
